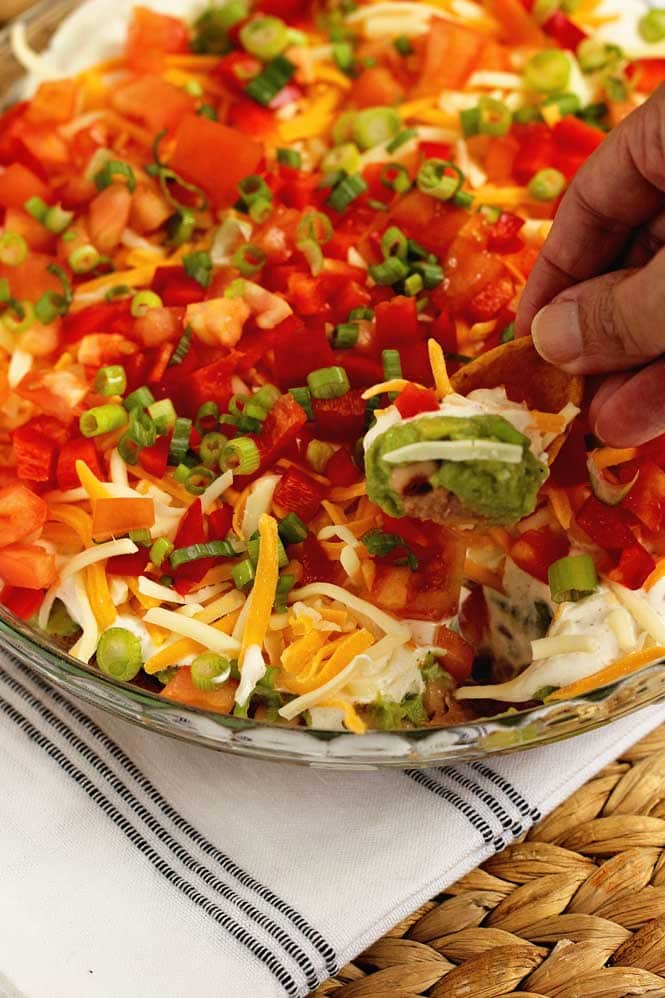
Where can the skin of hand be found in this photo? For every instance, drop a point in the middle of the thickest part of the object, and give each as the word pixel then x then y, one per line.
pixel 595 300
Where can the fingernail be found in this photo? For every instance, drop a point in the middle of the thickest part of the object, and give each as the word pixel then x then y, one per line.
pixel 556 332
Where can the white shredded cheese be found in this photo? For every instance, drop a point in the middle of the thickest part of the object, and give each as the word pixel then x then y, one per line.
pixel 252 670
pixel 34 63
pixel 562 644
pixel 360 606
pixel 641 610
pixel 349 560
pixel 100 552
pixel 207 636
pixel 148 587
pixel 491 79
pixel 259 501
pixel 21 362
pixel 307 700
pixel 216 489
pixel 86 645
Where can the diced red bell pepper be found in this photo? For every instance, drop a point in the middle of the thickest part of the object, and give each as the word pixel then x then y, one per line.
pixel 503 236
pixel 412 400
pixel 252 119
pixel 175 287
pixel 459 654
pixel 22 513
pixel 36 446
pixel 341 470
pixel 573 135
pixel 299 351
pixel 646 499
pixel 286 9
pixel 191 529
pixel 202 146
pixel 444 330
pixel 79 449
pixel 569 467
pixel 536 150
pixel 536 550
pixel 280 429
pixel 129 564
pixel 155 459
pixel 298 493
pixel 396 322
pixel 23 603
pixel 362 371
pixel 646 74
pixel 27 566
pixel 316 567
pixel 607 526
pixel 565 32
pixel 210 383
pixel 435 150
pixel 490 300
pixel 634 568
pixel 297 189
pixel 340 419
pixel 219 523
pixel 235 70
pixel 106 317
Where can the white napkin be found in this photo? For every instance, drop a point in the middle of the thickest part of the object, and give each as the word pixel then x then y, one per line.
pixel 136 865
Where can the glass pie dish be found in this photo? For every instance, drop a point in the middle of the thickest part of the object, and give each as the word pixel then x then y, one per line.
pixel 514 729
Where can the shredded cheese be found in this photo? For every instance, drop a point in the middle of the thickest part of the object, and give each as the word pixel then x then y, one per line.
pixel 188 627
pixel 562 644
pixel 439 370
pixel 158 592
pixel 641 610
pixel 395 385
pixel 360 606
pixel 265 584
pixel 100 552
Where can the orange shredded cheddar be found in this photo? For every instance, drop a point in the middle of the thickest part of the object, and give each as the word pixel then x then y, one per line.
pixel 610 674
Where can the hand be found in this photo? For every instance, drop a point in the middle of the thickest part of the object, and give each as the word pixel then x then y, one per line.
pixel 586 315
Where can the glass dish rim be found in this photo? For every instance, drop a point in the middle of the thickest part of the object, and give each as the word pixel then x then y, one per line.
pixel 417 747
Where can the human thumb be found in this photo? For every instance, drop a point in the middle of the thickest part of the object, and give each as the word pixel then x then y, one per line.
pixel 610 323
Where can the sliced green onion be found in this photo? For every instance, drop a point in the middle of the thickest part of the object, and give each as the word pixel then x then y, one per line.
pixel 102 419
pixel 342 129
pixel 141 397
pixel 346 191
pixel 403 45
pixel 243 574
pixel 111 380
pixel 37 207
pixel 374 126
pixel 182 429
pixel 651 26
pixel 572 578
pixel 19 317
pixel 610 493
pixel 566 103
pixel 431 273
pixel 416 252
pixel 345 335
pixel 128 449
pixel 112 170
pixel 615 88
pixel 5 291
pixel 548 71
pixel 208 671
pixel 508 334
pixel 240 456
pixel 199 479
pixel 289 157
pixel 194 552
pixel 142 429
pixel 119 654
pixel 470 121
pixel 546 185
pixel 181 472
pixel 413 285
pixel 84 259
pixel 47 307
pixel 160 550
pixel 211 447
pixel 141 537
pixel 328 382
pixel 182 348
pixel 253 545
pixel 392 364
pixel 361 314
pixel 193 88
pixel 527 114
pixel 253 188
pixel 389 272
pixel 57 219
pixel 285 584
pixel 344 157
pixel 236 289
pixel 13 249
pixel 494 117
pixel 264 37
pixel 143 301
pixel 594 55
pixel 318 454
pixel 163 415
pixel 273 78
pixel 490 213
pixel 248 259
pixel 198 266
pixel 304 399
pixel 315 225
pixel 401 139
pixel 208 111
pixel 259 210
pixel 207 417
pixel 119 291
pixel 342 53
pixel 440 179
pixel 211 27
pixel 394 243
pixel 396 177
pixel 463 200
pixel 313 254
pixel 292 530
pixel 180 227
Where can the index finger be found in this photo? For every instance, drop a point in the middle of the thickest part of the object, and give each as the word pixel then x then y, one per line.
pixel 619 188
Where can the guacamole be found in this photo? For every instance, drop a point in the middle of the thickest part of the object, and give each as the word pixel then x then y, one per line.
pixel 492 491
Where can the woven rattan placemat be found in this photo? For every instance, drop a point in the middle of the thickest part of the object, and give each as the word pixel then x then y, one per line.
pixel 576 910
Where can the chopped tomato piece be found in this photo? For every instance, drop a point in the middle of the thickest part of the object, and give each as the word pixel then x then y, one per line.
pixel 608 526
pixel 235 70
pixel 490 300
pixel 36 235
pixel 155 103
pixel 219 523
pixel 18 184
pixel 150 36
pixel 458 660
pixel 518 26
pixel 340 469
pixel 280 429
pixel 646 499
pixel 108 217
pixel 412 400
pixel 23 603
pixel 181 689
pixel 71 452
pixel 250 118
pixel 646 74
pixel 376 87
pixel 106 317
pixel 298 493
pixel 434 589
pixel 565 32
pixel 634 567
pixel 573 135
pixel 30 279
pixel 396 322
pixel 316 567
pixel 35 453
pixel 27 566
pixel 536 150
pixel 503 236
pixel 536 550
pixel 451 54
pixel 22 513
pixel 298 351
pixel 202 145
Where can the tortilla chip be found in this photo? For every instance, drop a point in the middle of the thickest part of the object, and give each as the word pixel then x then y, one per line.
pixel 524 374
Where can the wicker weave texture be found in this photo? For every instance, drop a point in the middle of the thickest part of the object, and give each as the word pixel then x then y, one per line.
pixel 575 910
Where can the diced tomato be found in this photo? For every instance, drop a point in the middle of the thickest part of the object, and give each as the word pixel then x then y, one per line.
pixel 634 567
pixel 608 526
pixel 30 279
pixel 106 317
pixel 435 150
pixel 181 689
pixel 573 135
pixel 444 330
pixel 499 159
pixel 23 603
pixel 434 589
pixel 396 322
pixel 315 565
pixel 108 217
pixel 22 513
pixel 569 467
pixel 201 145
pixel 129 564
pixel 219 523
pixel 280 429
pixel 27 566
pixel 654 450
pixel 469 268
pixel 451 54
pixel 646 499
pixel 341 418
pixel 536 150
pixel 341 470
pixel 36 446
pixel 36 235
pixel 80 449
pixel 150 36
pixel 298 493
pixel 155 103
pixel 490 300
pixel 235 70
pixel 250 118
pixel 54 101
pixel 155 459
pixel 458 661
pixel 536 550
pixel 432 223
pixel 518 27
pixel 376 87
pixel 18 184
pixel 209 383
pixel 298 187
pixel 503 236
pixel 646 74
pixel 565 32
pixel 175 287
pixel 412 400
